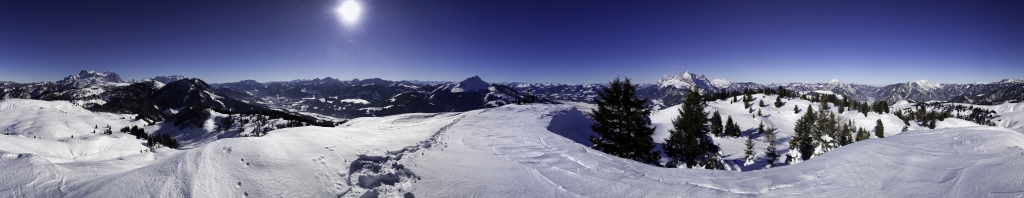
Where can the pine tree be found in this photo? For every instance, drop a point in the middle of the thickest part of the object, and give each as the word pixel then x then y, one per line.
pixel 906 128
pixel 759 112
pixel 716 124
pixel 749 152
pixel 864 109
pixel 689 143
pixel 796 109
pixel 771 153
pixel 761 103
pixel 931 125
pixel 778 102
pixel 760 127
pixel 879 130
pixel 623 123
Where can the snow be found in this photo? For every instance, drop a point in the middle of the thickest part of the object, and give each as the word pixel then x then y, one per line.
pixel 355 101
pixel 720 83
pixel 471 84
pixel 927 85
pixel 515 150
pixel 678 81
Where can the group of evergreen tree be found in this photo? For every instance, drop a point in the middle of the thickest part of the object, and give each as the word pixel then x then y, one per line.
pixel 139 133
pixel 623 126
pixel 824 131
pixel 624 129
pixel 731 128
pixel 162 139
pixel 924 116
pixel 723 94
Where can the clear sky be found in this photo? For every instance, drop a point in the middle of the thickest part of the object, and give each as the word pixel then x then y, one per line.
pixel 570 41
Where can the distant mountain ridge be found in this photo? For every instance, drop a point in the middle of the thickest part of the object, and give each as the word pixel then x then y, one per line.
pixel 362 97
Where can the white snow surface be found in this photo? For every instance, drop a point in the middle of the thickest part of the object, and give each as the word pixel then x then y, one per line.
pixel 355 101
pixel 514 150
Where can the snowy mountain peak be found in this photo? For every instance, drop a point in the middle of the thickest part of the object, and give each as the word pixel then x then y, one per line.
pixel 684 80
pixel 168 79
pixel 926 85
pixel 87 78
pixel 471 84
pixel 835 81
pixel 1011 80
pixel 90 75
pixel 721 83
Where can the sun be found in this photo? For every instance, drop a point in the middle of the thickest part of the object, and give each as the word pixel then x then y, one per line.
pixel 350 10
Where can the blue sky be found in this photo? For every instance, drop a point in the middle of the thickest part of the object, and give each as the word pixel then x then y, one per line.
pixel 865 42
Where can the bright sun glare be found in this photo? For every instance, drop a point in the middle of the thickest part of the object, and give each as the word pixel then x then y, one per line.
pixel 350 11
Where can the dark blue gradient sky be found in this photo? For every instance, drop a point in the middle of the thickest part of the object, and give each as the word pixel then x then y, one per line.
pixel 577 41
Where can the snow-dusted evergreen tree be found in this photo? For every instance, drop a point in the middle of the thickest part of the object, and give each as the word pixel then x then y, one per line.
pixel 716 124
pixel 771 153
pixel 879 130
pixel 690 144
pixel 623 123
pixel 778 102
pixel 825 125
pixel 760 103
pixel 749 151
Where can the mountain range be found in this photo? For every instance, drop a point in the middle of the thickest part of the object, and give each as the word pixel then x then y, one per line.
pixel 335 99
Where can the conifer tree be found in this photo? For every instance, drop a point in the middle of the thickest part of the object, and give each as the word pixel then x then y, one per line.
pixel 759 112
pixel 749 151
pixel 760 127
pixel 879 130
pixel 931 125
pixel 778 102
pixel 689 143
pixel 760 103
pixel 906 128
pixel 796 109
pixel 623 123
pixel 716 124
pixel 771 153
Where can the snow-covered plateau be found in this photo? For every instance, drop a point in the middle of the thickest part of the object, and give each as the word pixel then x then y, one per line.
pixel 536 150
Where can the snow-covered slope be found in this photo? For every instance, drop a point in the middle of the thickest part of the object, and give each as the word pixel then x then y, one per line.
pixel 783 119
pixel 516 150
pixel 61 132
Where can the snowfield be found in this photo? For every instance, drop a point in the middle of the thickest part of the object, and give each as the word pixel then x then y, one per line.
pixel 515 150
